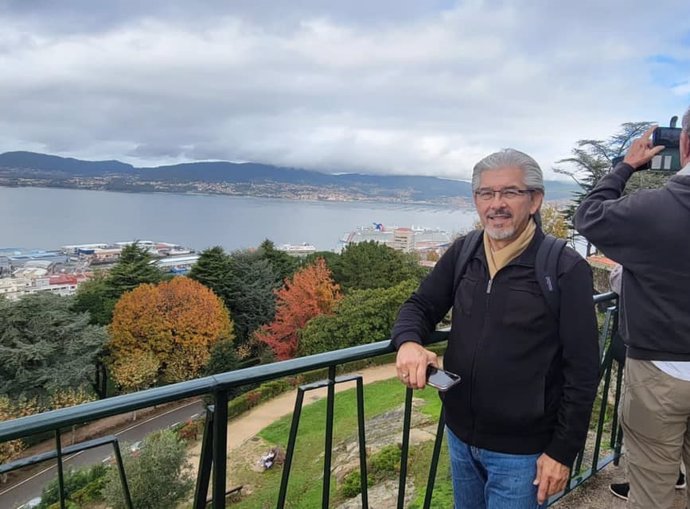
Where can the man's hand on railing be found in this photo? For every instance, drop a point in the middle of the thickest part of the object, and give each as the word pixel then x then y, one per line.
pixel 411 363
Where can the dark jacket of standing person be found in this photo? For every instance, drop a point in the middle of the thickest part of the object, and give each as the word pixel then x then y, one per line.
pixel 647 232
pixel 528 378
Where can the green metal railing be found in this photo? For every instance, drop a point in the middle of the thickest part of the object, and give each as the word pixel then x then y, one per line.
pixel 213 461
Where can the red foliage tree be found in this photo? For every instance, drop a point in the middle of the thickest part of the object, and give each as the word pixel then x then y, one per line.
pixel 311 292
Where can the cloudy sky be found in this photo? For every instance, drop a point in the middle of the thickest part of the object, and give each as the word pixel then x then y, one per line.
pixel 378 86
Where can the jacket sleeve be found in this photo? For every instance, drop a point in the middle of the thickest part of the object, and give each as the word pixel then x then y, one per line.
pixel 426 307
pixel 580 363
pixel 611 222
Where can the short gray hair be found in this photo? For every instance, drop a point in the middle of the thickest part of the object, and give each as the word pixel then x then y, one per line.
pixel 534 178
pixel 686 122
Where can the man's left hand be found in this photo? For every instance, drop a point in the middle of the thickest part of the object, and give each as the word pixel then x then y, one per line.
pixel 552 477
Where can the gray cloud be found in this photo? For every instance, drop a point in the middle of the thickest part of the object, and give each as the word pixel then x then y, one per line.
pixel 404 87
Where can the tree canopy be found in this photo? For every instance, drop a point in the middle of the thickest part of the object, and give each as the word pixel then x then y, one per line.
pixel 369 264
pixel 310 292
pixel 99 295
pixel 362 316
pixel 46 347
pixel 284 265
pixel 158 476
pixel 246 283
pixel 165 332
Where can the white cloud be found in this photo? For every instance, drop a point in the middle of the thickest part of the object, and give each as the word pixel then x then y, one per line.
pixel 424 92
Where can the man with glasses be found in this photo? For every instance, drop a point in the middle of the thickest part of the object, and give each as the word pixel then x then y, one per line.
pixel 520 414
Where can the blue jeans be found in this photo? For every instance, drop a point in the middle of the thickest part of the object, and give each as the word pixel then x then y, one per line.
pixel 491 480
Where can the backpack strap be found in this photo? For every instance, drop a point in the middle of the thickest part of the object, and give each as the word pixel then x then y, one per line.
pixel 546 268
pixel 469 246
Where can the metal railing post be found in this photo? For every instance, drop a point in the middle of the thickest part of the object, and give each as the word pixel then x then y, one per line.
pixel 407 421
pixel 205 462
pixel 363 476
pixel 61 474
pixel 123 476
pixel 328 439
pixel 433 468
pixel 220 445
pixel 289 453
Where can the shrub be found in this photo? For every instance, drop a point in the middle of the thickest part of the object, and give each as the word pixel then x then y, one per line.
pixel 350 486
pixel 76 484
pixel 386 461
pixel 158 476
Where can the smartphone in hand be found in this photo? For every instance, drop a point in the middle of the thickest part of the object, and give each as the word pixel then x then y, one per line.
pixel 440 379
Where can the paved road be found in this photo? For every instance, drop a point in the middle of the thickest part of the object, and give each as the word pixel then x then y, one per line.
pixel 23 491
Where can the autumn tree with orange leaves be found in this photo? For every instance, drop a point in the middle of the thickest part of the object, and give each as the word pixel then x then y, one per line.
pixel 309 293
pixel 165 332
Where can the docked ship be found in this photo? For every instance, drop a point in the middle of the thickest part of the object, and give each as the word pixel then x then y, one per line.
pixel 401 238
pixel 303 249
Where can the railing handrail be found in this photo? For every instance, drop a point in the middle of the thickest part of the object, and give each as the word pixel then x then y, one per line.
pixel 86 412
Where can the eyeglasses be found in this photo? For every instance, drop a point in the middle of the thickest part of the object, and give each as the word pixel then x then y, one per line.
pixel 509 193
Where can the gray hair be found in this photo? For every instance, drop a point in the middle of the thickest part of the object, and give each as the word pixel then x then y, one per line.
pixel 686 122
pixel 509 157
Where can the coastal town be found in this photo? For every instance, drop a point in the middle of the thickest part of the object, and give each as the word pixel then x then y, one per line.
pixel 60 271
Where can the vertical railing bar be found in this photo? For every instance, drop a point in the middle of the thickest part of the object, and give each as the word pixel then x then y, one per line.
pixel 61 474
pixel 617 430
pixel 123 475
pixel 362 444
pixel 290 448
pixel 602 411
pixel 433 468
pixel 205 462
pixel 405 448
pixel 328 445
pixel 578 463
pixel 220 444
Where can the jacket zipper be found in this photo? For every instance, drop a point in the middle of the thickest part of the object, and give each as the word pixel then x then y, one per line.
pixel 474 355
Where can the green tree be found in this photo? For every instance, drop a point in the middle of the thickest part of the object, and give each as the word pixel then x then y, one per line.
pixel 158 476
pixel 251 296
pixel 590 160
pixel 92 297
pixel 46 347
pixel 245 281
pixel 99 295
pixel 368 265
pixel 132 269
pixel 363 316
pixel 284 265
pixel 213 270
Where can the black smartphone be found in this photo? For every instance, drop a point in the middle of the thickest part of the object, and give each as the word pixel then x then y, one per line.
pixel 440 379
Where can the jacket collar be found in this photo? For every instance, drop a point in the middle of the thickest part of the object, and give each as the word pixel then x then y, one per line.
pixel 527 257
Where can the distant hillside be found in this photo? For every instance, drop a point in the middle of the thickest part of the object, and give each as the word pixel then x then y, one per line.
pixel 28 168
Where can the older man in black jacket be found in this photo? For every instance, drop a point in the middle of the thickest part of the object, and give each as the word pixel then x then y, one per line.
pixel 647 233
pixel 520 414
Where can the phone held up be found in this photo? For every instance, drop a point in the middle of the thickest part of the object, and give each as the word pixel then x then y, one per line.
pixel 440 379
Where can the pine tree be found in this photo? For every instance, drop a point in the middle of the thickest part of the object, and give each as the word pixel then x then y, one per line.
pixel 46 347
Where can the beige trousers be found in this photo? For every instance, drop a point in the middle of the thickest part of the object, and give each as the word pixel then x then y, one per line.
pixel 655 416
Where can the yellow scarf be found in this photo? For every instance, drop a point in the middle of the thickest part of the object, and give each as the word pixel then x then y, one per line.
pixel 499 259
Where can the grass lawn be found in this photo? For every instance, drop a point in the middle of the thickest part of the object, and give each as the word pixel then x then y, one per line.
pixel 304 491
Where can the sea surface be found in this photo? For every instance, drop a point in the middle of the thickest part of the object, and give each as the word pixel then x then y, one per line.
pixel 46 218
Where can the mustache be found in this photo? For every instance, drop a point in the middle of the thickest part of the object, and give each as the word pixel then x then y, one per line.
pixel 500 212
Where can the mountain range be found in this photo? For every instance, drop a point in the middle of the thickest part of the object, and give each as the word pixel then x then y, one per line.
pixel 35 169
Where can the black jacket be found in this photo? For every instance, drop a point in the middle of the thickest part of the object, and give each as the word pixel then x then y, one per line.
pixel 648 232
pixel 528 378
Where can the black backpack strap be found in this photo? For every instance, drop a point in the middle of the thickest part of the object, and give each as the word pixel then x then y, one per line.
pixel 546 267
pixel 469 247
